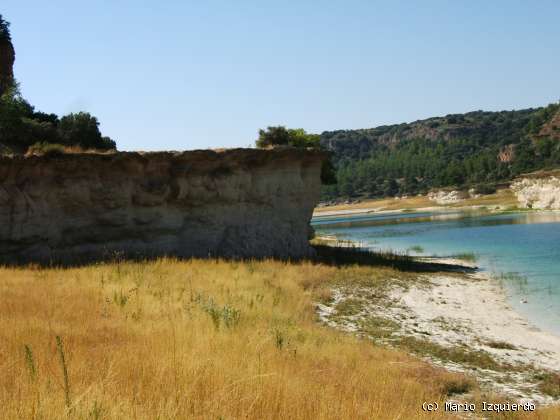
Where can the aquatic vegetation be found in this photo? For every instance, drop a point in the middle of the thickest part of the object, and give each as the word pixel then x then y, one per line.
pixel 518 281
pixel 416 248
pixel 466 256
pixel 502 345
pixel 550 383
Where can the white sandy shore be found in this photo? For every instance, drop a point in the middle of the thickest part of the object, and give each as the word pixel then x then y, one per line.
pixel 347 212
pixel 456 310
pixel 477 313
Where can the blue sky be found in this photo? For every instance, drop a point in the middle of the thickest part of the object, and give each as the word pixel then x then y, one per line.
pixel 186 75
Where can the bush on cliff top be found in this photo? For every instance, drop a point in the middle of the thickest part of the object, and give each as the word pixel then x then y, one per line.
pixel 296 137
pixel 282 136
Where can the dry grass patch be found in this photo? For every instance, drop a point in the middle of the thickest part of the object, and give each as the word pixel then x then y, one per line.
pixel 549 383
pixel 503 197
pixel 196 339
pixel 382 203
pixel 193 339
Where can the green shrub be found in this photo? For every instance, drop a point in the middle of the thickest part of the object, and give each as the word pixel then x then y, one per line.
pixel 485 189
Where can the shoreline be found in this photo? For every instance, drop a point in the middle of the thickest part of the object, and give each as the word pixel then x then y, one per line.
pixel 434 209
pixel 467 311
pixel 502 200
pixel 379 210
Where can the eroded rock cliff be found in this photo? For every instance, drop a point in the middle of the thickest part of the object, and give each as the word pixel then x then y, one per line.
pixel 538 191
pixel 231 203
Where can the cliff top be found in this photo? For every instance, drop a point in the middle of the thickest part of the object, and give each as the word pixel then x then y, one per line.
pixel 242 156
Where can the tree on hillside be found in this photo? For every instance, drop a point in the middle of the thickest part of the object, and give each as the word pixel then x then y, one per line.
pixel 82 129
pixel 7 58
pixel 44 117
pixel 14 111
pixel 4 30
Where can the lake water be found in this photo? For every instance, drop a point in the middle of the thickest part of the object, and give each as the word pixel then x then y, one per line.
pixel 522 249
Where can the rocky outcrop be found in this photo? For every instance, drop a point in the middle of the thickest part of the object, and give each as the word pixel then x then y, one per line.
pixel 538 192
pixel 231 203
pixel 7 59
pixel 444 197
pixel 432 129
pixel 507 154
pixel 550 129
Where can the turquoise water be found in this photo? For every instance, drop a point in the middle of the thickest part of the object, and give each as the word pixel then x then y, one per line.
pixel 522 249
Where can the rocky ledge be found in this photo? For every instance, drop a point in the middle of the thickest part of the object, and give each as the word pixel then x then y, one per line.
pixel 229 203
pixel 540 191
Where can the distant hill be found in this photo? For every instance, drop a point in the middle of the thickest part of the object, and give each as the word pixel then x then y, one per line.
pixel 477 149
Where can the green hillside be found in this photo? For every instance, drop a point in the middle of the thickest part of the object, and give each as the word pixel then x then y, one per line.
pixel 477 149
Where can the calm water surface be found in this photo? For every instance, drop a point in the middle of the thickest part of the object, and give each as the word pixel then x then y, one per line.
pixel 522 249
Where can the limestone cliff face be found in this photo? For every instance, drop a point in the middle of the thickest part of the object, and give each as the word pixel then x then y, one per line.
pixel 538 192
pixel 232 203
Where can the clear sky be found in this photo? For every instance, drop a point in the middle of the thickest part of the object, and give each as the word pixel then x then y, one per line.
pixel 173 74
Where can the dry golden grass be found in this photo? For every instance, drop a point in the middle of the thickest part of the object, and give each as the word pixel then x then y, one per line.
pixel 503 197
pixel 382 203
pixel 197 339
pixel 40 149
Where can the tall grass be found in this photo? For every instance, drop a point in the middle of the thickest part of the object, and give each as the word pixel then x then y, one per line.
pixel 30 362
pixel 66 383
pixel 197 339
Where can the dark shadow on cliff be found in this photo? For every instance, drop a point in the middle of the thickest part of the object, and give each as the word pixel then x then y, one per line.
pixel 324 254
pixel 339 256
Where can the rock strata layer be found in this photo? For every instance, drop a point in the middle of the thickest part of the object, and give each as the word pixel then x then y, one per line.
pixel 231 203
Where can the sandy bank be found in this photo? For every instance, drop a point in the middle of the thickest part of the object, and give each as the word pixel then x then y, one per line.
pixel 375 210
pixel 477 313
pixel 501 200
pixel 465 311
